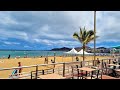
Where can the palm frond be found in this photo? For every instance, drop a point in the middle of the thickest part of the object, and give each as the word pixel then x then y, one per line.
pixel 76 36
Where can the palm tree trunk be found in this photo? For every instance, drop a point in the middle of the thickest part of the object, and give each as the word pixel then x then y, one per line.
pixel 83 64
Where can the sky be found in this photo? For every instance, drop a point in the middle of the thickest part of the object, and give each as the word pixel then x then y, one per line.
pixel 44 30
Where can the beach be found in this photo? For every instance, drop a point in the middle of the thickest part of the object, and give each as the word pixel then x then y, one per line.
pixel 8 63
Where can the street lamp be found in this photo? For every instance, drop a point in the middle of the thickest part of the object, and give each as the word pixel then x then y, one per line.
pixel 94 35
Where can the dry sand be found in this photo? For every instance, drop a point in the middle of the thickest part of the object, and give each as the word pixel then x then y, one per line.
pixel 8 63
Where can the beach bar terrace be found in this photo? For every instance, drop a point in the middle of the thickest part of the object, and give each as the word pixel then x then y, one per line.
pixel 67 70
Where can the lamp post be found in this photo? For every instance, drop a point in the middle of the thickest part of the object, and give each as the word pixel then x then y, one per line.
pixel 94 35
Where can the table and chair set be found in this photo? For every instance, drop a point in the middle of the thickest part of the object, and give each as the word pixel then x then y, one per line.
pixel 103 71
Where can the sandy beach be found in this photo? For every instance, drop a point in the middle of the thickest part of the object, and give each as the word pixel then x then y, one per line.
pixel 8 63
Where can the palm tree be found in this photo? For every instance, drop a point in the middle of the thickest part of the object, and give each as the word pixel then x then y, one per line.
pixel 84 37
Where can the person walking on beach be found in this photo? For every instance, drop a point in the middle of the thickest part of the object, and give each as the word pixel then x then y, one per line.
pixel 46 61
pixel 9 56
pixel 19 65
pixel 98 62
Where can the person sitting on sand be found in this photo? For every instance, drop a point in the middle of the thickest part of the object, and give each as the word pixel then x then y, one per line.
pixel 77 59
pixel 52 61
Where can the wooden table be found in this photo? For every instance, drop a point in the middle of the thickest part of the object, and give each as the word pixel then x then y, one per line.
pixel 113 65
pixel 118 70
pixel 108 77
pixel 51 76
pixel 87 69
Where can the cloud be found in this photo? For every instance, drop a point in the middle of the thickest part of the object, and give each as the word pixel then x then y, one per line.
pixel 26 46
pixel 55 28
pixel 11 43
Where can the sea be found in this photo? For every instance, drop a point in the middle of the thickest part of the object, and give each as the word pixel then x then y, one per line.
pixel 22 54
pixel 13 54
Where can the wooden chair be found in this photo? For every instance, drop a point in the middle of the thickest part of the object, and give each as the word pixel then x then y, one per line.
pixel 69 74
pixel 106 69
pixel 77 73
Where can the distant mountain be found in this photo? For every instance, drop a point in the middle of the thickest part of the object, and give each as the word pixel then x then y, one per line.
pixel 79 48
pixel 68 49
pixel 101 48
pixel 61 49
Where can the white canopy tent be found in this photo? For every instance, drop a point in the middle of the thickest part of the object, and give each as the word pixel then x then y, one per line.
pixel 86 53
pixel 72 52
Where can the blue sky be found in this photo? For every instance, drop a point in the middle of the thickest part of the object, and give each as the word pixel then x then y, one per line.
pixel 41 30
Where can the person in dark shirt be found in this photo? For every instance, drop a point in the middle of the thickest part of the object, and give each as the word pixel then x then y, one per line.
pixel 9 56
